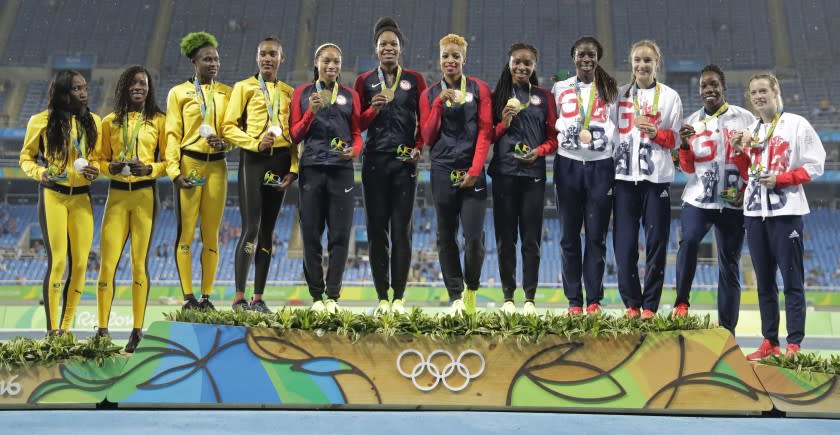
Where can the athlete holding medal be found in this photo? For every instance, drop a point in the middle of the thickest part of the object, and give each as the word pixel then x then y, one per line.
pixel 456 115
pixel 390 112
pixel 648 116
pixel 133 149
pixel 712 196
pixel 525 115
pixel 774 204
pixel 257 121
pixel 584 173
pixel 63 136
pixel 195 156
pixel 325 118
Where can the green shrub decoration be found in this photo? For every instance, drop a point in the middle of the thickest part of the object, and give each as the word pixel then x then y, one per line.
pixel 525 329
pixel 24 352
pixel 806 362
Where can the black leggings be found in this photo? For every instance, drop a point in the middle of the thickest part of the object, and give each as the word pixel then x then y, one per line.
pixel 259 206
pixel 518 214
pixel 389 186
pixel 326 199
pixel 459 207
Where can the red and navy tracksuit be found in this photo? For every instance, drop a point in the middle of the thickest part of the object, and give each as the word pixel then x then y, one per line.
pixel 459 138
pixel 326 184
pixel 519 187
pixel 390 184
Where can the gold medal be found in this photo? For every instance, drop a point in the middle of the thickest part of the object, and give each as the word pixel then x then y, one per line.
pixel 326 97
pixel 388 93
pixel 585 136
pixel 459 97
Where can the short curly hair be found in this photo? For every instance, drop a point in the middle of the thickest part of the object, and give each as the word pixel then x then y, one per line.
pixel 192 42
pixel 454 39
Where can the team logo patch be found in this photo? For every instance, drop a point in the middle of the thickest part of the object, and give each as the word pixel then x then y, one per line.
pixel 185 248
pixel 405 85
pixel 469 98
pixel 536 100
pixel 341 100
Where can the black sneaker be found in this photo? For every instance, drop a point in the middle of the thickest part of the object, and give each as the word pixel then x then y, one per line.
pixel 102 332
pixel 240 305
pixel 260 306
pixel 206 305
pixel 134 340
pixel 191 304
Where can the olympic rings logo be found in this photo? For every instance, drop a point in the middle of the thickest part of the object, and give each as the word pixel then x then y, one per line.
pixel 440 376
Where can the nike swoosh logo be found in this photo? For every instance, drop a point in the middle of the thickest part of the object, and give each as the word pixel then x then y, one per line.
pixel 414 175
pixel 537 180
pixel 374 86
pixel 347 190
pixel 479 189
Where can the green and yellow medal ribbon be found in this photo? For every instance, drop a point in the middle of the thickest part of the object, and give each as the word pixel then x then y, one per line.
pixel 130 144
pixel 463 90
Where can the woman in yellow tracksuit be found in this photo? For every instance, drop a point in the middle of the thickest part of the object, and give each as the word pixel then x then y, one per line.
pixel 133 144
pixel 195 161
pixel 59 151
pixel 257 121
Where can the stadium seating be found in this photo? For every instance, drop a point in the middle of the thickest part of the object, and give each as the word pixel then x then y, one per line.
pixel 821 262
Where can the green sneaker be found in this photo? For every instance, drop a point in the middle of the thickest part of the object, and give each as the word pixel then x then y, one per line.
pixel 331 306
pixel 469 300
pixel 383 308
pixel 508 307
pixel 457 307
pixel 398 306
pixel 319 307
pixel 529 309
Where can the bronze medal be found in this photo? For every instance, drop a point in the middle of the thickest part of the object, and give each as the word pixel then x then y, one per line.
pixel 585 136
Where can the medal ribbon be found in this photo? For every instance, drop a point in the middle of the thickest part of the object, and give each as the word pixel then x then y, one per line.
pixel 636 100
pixel 770 131
pixel 80 141
pixel 384 84
pixel 586 116
pixel 334 96
pixel 720 111
pixel 202 103
pixel 522 106
pixel 463 89
pixel 130 146
pixel 272 105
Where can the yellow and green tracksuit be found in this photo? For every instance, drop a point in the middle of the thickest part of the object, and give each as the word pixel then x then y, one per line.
pixel 186 151
pixel 246 122
pixel 132 208
pixel 66 217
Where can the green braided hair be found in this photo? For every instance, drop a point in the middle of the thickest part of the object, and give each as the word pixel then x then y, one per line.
pixel 193 41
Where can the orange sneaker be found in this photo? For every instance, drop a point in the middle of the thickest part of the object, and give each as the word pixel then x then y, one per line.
pixel 593 309
pixel 792 349
pixel 574 311
pixel 632 312
pixel 648 314
pixel 681 310
pixel 764 350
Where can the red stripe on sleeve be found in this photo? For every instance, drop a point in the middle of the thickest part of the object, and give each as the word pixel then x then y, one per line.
pixel 485 128
pixel 300 120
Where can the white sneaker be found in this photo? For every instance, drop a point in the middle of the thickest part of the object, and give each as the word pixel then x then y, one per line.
pixel 331 306
pixel 319 307
pixel 457 308
pixel 508 307
pixel 383 308
pixel 398 306
pixel 529 309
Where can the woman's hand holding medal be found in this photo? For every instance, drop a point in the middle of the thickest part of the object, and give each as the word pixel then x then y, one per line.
pixel 267 142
